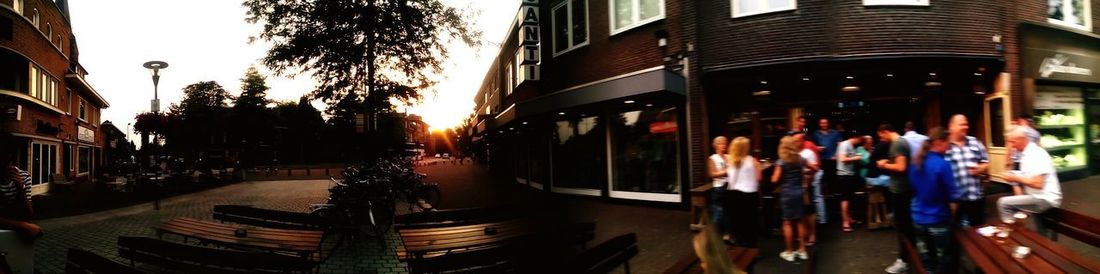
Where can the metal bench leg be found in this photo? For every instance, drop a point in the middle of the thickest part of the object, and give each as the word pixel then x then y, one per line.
pixel 626 267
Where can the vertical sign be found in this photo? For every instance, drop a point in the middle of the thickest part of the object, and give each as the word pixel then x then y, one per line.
pixel 528 52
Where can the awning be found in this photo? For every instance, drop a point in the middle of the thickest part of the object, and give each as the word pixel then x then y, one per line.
pixel 75 80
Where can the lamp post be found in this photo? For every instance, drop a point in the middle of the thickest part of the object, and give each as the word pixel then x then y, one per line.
pixel 154 68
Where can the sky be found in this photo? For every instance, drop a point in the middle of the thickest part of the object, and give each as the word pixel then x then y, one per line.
pixel 204 40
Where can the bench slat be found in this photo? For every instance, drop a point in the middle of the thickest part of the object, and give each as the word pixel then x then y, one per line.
pixel 83 261
pixel 194 259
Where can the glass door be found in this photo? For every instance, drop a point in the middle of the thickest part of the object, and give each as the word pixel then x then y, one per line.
pixel 1093 109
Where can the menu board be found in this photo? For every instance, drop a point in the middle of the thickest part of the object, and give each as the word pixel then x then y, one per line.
pixel 1058 98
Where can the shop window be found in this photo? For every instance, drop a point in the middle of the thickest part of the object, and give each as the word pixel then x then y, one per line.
pixel 43 163
pixel 644 150
pixel 627 14
pixel 741 8
pixel 579 153
pixel 84 159
pixel 540 158
pixel 522 156
pixel 570 22
pixel 1071 13
pixel 43 86
pixel 49 31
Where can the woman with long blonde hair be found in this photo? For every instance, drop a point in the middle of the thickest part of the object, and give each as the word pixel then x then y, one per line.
pixel 713 257
pixel 788 174
pixel 742 200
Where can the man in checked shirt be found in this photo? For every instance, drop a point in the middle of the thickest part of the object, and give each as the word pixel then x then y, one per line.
pixel 969 160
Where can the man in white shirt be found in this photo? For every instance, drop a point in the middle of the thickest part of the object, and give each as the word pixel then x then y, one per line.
pixel 1036 184
pixel 915 140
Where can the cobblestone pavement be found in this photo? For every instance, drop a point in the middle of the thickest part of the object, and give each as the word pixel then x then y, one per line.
pixel 99 231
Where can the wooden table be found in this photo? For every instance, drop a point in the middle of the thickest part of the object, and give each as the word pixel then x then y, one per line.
pixel 742 258
pixel 422 242
pixel 994 255
pixel 305 243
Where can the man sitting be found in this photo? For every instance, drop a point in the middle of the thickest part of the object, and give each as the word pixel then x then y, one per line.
pixel 1035 185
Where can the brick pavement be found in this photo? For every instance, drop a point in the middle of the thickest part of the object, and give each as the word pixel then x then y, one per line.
pixel 98 231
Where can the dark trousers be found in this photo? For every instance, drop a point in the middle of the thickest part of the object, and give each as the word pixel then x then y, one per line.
pixel 970 214
pixel 936 246
pixel 743 210
pixel 903 220
pixel 718 216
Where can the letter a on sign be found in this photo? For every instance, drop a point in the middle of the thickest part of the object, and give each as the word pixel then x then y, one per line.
pixel 530 15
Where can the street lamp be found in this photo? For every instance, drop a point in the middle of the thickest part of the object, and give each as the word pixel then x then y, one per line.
pixel 154 68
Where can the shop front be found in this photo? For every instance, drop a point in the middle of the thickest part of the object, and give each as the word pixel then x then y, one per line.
pixel 619 138
pixel 1061 83
pixel 854 94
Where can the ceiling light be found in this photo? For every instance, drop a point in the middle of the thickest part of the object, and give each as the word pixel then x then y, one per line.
pixel 762 93
pixel 511 128
pixel 805 79
pixel 629 101
pixel 977 74
pixel 851 88
pixel 524 123
pixel 763 82
pixel 931 74
pixel 932 83
pixel 889 75
pixel 850 77
pixel 561 113
pixel 648 105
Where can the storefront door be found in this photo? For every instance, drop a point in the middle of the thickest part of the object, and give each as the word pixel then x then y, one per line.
pixel 1093 109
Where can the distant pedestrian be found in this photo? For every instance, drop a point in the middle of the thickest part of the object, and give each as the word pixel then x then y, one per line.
pixel 788 174
pixel 716 170
pixel 1035 186
pixel 900 195
pixel 934 194
pixel 969 160
pixel 847 179
pixel 742 200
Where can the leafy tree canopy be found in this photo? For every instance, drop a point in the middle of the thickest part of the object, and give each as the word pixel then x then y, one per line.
pixel 204 95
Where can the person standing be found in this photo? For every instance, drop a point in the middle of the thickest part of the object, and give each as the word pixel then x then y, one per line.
pixel 900 195
pixel 827 141
pixel 717 172
pixel 969 160
pixel 847 178
pixel 742 200
pixel 915 140
pixel 812 174
pixel 934 193
pixel 788 174
pixel 1035 186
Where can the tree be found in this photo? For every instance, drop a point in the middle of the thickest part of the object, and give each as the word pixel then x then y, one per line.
pixel 204 96
pixel 379 49
pixel 202 127
pixel 251 125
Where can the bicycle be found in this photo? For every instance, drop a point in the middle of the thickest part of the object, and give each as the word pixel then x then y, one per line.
pixel 415 190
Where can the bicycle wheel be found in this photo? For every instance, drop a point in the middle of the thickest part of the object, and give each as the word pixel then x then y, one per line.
pixel 380 215
pixel 433 198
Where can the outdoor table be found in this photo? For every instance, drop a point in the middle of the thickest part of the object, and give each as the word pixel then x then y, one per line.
pixel 741 257
pixel 419 242
pixel 994 255
pixel 304 243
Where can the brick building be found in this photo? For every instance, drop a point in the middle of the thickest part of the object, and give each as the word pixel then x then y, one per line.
pixel 53 113
pixel 625 108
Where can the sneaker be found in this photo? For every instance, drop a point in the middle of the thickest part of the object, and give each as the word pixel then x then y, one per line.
pixel 898 267
pixel 787 256
pixel 801 254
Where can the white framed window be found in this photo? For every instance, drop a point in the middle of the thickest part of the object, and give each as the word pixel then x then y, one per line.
pixel 1071 13
pixel 509 78
pixel 895 2
pixel 59 40
pixel 741 8
pixel 18 6
pixel 49 31
pixel 628 14
pixel 569 22
pixel 35 18
pixel 83 113
pixel 43 86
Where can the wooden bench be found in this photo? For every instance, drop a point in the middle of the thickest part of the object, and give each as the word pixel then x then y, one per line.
pixel 268 218
pixel 1078 226
pixel 743 258
pixel 605 257
pixel 517 256
pixel 456 217
pixel 914 257
pixel 79 261
pixel 168 256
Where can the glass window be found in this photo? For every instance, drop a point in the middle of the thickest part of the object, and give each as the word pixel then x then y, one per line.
pixel 84 157
pixel 1072 13
pixel 509 78
pixel 43 163
pixel 522 154
pixel 18 6
pixel 754 7
pixel 83 114
pixel 626 14
pixel 34 18
pixel 49 31
pixel 579 152
pixel 644 150
pixel 540 156
pixel 570 25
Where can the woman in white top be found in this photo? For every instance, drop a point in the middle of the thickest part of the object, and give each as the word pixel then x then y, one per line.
pixel 742 199
pixel 716 169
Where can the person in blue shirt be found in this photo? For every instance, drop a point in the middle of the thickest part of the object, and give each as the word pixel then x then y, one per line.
pixel 934 196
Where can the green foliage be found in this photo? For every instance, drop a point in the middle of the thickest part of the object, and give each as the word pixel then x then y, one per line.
pixel 253 90
pixel 204 96
pixel 378 49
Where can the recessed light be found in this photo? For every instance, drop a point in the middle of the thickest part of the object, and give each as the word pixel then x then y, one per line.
pixel 889 75
pixel 763 82
pixel 524 123
pixel 931 74
pixel 977 74
pixel 501 131
pixel 762 93
pixel 561 113
pixel 649 105
pixel 511 128
pixel 805 79
pixel 629 101
pixel 850 77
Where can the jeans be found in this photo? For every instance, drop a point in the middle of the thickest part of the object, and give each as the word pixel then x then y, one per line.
pixel 718 210
pixel 819 200
pixel 971 213
pixel 903 220
pixel 936 246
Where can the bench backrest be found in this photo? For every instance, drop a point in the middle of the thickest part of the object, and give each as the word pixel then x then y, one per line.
pixel 456 217
pixel 267 217
pixel 607 256
pixel 914 257
pixel 79 261
pixel 1081 227
pixel 195 259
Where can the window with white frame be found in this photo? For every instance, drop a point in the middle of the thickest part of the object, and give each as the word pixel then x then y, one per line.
pixel 18 6
pixel 1072 13
pixel 49 31
pixel 509 78
pixel 43 86
pixel 35 18
pixel 627 14
pixel 570 25
pixel 83 114
pixel 741 8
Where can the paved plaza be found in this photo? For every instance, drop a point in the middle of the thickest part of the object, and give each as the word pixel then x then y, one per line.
pixel 662 232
